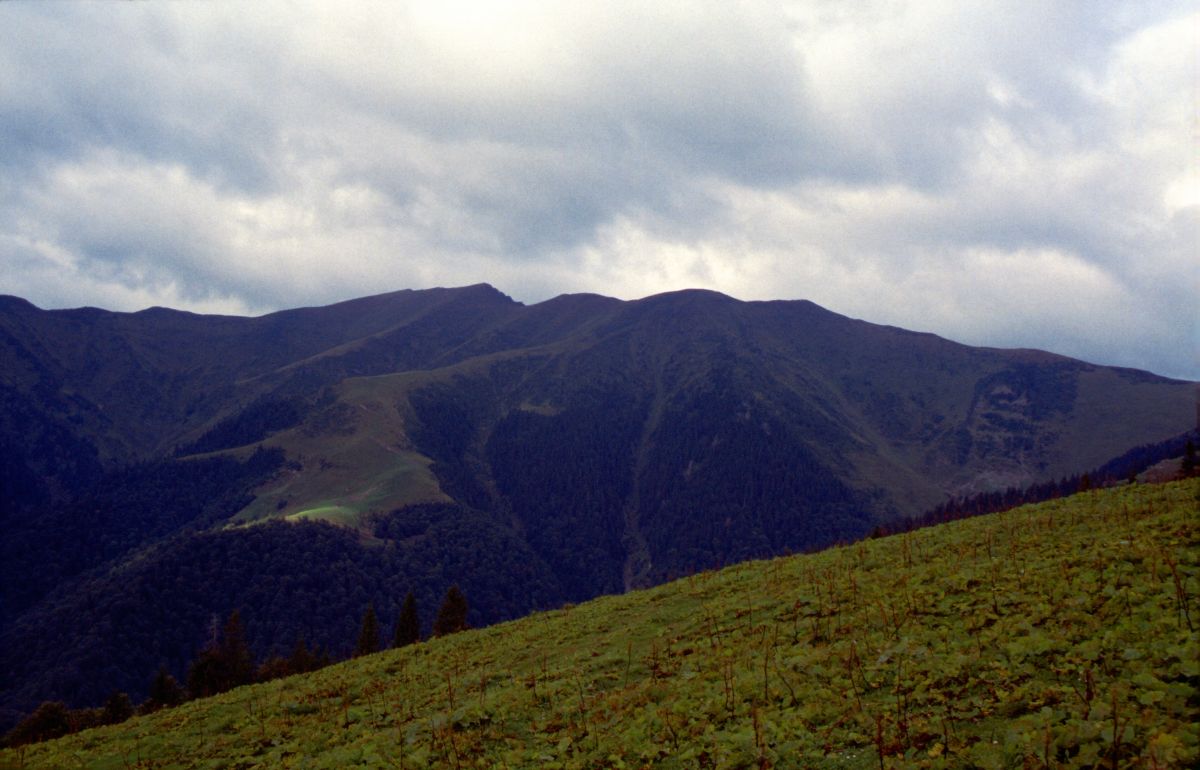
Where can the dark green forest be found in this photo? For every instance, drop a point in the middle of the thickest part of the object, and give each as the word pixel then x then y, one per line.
pixel 568 478
pixel 143 552
pixel 123 511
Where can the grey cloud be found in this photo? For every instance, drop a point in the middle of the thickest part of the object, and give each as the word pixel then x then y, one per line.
pixel 91 76
pixel 943 71
pixel 631 126
pixel 318 156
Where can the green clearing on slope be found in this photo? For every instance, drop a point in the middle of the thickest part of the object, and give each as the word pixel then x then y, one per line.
pixel 1061 634
pixel 371 467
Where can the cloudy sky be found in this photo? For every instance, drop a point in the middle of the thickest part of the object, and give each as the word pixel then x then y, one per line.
pixel 1018 174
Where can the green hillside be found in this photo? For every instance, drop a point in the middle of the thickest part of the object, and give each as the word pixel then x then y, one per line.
pixel 1062 634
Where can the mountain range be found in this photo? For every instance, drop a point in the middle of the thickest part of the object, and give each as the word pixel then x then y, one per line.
pixel 160 468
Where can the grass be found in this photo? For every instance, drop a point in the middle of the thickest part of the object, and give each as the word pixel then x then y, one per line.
pixel 1062 634
pixel 354 461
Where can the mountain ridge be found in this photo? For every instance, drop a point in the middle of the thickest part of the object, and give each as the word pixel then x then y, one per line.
pixel 614 444
pixel 300 351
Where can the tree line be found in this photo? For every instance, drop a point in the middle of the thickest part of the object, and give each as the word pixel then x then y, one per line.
pixel 226 662
pixel 1122 469
pixel 109 629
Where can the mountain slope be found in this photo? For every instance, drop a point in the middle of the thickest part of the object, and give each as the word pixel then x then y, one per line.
pixel 925 416
pixel 604 444
pixel 136 383
pixel 1052 635
pixel 690 429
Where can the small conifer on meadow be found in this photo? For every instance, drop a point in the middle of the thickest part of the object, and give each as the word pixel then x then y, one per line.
pixel 452 615
pixel 368 636
pixel 408 626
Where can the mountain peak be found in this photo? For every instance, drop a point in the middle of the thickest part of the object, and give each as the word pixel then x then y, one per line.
pixel 691 296
pixel 484 291
pixel 13 303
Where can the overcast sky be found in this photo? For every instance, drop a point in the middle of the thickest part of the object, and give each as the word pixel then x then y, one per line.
pixel 1015 174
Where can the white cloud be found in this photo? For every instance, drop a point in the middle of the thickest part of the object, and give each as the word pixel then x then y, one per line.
pixel 1000 173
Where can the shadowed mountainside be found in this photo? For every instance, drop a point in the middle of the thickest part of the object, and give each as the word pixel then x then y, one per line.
pixel 607 444
pixel 912 415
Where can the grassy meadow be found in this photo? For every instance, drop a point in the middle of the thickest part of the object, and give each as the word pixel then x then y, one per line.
pixel 1062 634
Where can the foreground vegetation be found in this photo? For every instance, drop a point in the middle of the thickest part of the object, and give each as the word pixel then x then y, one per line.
pixel 1062 634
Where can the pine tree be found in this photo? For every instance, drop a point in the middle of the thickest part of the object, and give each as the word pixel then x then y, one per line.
pixel 1189 459
pixel 165 692
pixel 205 675
pixel 117 709
pixel 302 660
pixel 452 615
pixel 51 720
pixel 274 667
pixel 235 653
pixel 368 637
pixel 224 664
pixel 408 627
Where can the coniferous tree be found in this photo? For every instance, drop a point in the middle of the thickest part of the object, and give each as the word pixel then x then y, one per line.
pixel 224 664
pixel 1189 459
pixel 205 676
pixel 52 719
pixel 117 709
pixel 302 660
pixel 274 667
pixel 368 637
pixel 408 627
pixel 165 692
pixel 235 652
pixel 452 615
